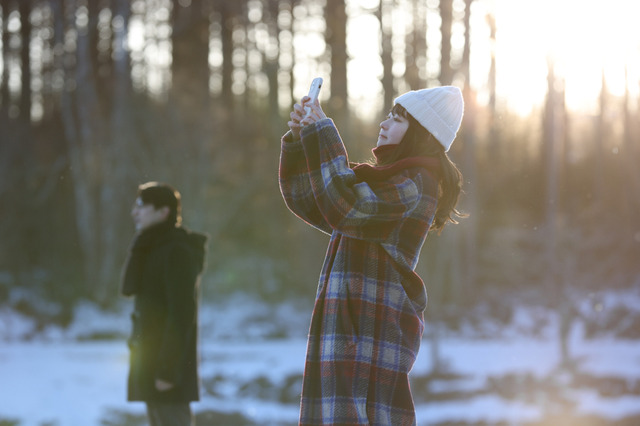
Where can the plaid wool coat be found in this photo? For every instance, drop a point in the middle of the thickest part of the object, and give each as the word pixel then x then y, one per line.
pixel 367 321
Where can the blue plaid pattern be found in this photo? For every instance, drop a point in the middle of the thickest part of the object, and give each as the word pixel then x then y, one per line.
pixel 367 321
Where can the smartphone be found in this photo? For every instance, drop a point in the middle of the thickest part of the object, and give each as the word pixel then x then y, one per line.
pixel 314 91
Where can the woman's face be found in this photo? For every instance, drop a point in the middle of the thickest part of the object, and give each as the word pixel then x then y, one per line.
pixel 146 215
pixel 392 130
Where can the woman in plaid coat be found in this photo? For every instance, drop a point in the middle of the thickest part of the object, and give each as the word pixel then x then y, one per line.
pixel 367 321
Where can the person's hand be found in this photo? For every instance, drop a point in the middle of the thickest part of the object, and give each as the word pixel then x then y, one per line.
pixel 296 116
pixel 315 114
pixel 299 117
pixel 163 386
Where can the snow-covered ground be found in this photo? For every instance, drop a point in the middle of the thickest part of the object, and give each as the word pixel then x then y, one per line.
pixel 60 379
pixel 68 383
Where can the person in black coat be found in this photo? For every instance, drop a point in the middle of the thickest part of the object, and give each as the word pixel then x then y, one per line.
pixel 162 273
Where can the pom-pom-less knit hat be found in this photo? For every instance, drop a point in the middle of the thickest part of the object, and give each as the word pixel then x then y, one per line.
pixel 439 110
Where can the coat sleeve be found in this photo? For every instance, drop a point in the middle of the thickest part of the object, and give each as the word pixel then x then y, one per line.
pixel 180 277
pixel 295 184
pixel 359 210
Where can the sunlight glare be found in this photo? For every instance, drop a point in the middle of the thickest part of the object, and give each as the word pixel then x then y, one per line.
pixel 584 37
pixel 364 70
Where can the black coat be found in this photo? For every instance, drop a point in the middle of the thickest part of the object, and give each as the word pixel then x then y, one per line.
pixel 162 272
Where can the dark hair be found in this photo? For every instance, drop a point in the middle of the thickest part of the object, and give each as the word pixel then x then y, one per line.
pixel 418 142
pixel 162 195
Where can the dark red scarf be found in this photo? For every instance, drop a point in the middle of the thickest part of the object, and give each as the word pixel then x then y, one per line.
pixel 370 173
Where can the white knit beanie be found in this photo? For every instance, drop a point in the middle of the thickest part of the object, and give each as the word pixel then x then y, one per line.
pixel 439 110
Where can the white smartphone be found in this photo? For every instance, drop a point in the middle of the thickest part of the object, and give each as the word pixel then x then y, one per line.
pixel 314 91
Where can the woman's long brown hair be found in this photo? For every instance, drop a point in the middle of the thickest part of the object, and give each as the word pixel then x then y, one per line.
pixel 418 142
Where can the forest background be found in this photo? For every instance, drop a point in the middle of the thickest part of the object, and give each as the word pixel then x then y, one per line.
pixel 98 96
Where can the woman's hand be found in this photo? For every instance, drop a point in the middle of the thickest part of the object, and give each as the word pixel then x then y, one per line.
pixel 299 117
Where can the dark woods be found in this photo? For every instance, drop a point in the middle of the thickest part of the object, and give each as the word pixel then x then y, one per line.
pixel 98 96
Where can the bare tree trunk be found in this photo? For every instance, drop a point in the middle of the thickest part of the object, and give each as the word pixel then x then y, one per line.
pixel 437 283
pixel 93 8
pixel 556 280
pixel 437 268
pixel 630 161
pixel 248 46
pixel 117 196
pixel 25 59
pixel 190 107
pixel 290 6
pixel 23 144
pixel 551 174
pixel 416 46
pixel 271 60
pixel 336 18
pixel 227 11
pixel 446 13
pixel 466 53
pixel 384 18
pixel 101 56
pixel 292 79
pixel 470 224
pixel 89 156
pixel 599 175
pixel 4 83
pixel 11 176
pixel 493 141
pixel 4 86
